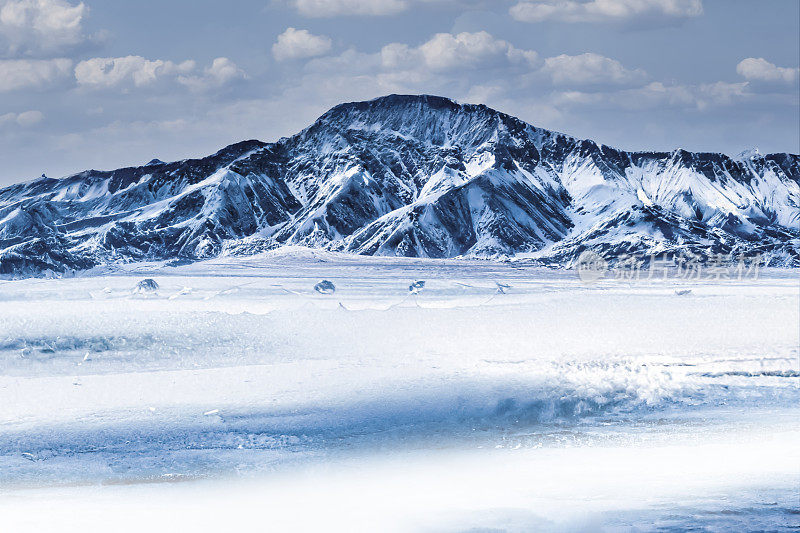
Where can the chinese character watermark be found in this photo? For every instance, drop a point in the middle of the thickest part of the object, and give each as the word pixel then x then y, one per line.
pixel 591 267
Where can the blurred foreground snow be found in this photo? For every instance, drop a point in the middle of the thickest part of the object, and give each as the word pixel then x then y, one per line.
pixel 550 404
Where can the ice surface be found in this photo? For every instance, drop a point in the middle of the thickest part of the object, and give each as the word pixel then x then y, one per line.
pixel 501 396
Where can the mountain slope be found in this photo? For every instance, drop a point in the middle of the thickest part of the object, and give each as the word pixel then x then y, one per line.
pixel 414 176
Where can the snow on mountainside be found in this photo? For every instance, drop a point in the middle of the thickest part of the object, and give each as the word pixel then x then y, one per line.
pixel 412 176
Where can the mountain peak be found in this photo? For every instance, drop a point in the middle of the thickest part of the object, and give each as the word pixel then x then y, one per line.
pixel 747 155
pixel 401 100
pixel 431 120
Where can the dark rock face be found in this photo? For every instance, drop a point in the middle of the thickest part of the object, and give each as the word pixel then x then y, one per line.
pixel 412 176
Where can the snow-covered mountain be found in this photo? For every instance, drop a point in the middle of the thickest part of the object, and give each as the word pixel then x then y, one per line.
pixel 412 176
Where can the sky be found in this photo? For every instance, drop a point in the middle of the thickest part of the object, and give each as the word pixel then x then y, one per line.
pixel 110 83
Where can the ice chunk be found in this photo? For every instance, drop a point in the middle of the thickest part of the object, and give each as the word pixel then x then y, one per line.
pixel 146 285
pixel 325 287
pixel 416 287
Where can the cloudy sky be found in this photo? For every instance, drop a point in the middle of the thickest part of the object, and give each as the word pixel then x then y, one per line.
pixel 110 83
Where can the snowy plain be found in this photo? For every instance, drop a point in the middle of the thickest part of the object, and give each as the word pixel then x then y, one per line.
pixel 237 396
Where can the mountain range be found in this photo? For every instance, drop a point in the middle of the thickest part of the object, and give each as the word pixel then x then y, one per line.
pixel 418 176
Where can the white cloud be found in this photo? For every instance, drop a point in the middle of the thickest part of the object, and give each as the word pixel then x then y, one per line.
pixel 106 72
pixel 29 118
pixel 587 69
pixel 136 71
pixel 604 10
pixel 760 69
pixel 300 44
pixel 721 93
pixel 332 8
pixel 40 26
pixel 376 8
pixel 24 119
pixel 18 74
pixel 657 96
pixel 221 72
pixel 654 96
pixel 445 51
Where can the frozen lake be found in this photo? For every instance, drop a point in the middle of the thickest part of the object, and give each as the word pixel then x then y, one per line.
pixel 237 395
